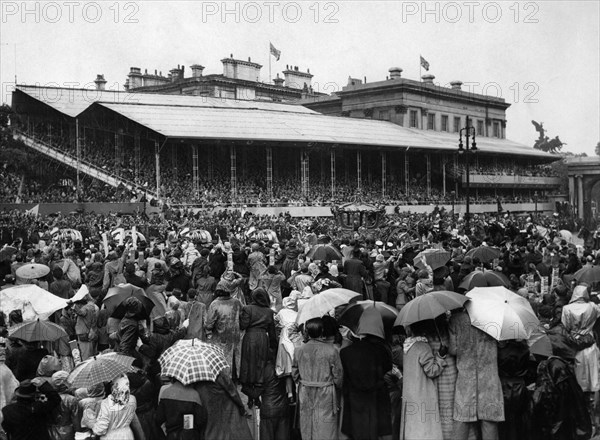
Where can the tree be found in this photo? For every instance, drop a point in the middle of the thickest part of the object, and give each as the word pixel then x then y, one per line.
pixel 598 149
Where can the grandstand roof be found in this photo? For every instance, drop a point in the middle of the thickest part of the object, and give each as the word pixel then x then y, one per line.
pixel 195 117
pixel 71 101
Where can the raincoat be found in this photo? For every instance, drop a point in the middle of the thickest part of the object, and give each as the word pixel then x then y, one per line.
pixel 318 369
pixel 223 328
pixel 578 318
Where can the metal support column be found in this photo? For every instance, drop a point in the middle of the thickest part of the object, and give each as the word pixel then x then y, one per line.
pixel 137 154
pixel 305 170
pixel 174 158
pixel 428 160
pixel 209 163
pixel 580 196
pixel 117 149
pixel 358 171
pixel 78 149
pixel 157 165
pixel 406 175
pixel 270 173
pixel 383 173
pixel 332 159
pixel 233 160
pixel 444 163
pixel 195 174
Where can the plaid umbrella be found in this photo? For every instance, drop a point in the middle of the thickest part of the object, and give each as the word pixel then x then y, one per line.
pixel 37 331
pixel 191 361
pixel 99 369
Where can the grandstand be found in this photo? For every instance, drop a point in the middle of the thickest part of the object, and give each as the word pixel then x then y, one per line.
pixel 203 151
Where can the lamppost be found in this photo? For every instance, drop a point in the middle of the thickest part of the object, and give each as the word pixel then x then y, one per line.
pixel 453 196
pixel 469 133
pixel 535 200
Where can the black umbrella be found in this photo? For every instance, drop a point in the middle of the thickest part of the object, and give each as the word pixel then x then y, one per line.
pixel 324 252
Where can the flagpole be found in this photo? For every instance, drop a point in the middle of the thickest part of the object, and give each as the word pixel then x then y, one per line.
pixel 269 62
pixel 420 66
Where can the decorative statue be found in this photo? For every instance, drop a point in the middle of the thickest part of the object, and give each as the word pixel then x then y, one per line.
pixel 544 143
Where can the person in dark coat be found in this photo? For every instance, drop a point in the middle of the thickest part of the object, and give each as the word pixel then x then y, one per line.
pixel 513 362
pixel 155 343
pixel 274 409
pixel 181 410
pixel 132 278
pixel 355 271
pixel 29 416
pixel 367 408
pixel 178 279
pixel 25 363
pixel 130 328
pixel 146 395
pixel 217 261
pixel 258 345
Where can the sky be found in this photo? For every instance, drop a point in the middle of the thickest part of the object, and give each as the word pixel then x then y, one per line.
pixel 542 57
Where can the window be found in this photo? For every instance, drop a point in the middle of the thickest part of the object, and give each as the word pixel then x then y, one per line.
pixel 444 122
pixel 479 128
pixel 413 119
pixel 496 129
pixel 384 115
pixel 456 124
pixel 431 121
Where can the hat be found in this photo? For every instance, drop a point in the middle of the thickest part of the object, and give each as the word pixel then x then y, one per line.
pixel 59 380
pixel 26 390
pixel 379 243
pixel 380 258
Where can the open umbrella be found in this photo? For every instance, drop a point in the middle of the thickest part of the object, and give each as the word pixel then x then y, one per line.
pixel 116 295
pixel 350 317
pixel 484 278
pixel 429 306
pixel 33 301
pixel 435 258
pixel 324 252
pixel 588 274
pixel 99 369
pixel 191 361
pixel 37 331
pixel 539 342
pixel 323 302
pixel 32 271
pixel 485 254
pixel 501 313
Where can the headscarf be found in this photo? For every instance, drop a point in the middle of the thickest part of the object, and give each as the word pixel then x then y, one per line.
pixel 289 303
pixel 260 297
pixel 48 366
pixel 120 390
pixel 59 381
pixel 580 293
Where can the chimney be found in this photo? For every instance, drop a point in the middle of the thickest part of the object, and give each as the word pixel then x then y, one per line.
pixel 174 74
pixel 135 78
pixel 428 79
pixel 278 81
pixel 395 72
pixel 196 70
pixel 100 82
pixel 296 79
pixel 456 85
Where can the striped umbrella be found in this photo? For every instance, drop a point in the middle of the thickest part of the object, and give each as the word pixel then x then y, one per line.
pixel 99 369
pixel 191 361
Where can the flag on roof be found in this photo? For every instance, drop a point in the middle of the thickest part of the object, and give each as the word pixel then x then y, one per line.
pixel 276 53
pixel 424 63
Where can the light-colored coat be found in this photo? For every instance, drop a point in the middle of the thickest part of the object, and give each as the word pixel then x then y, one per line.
pixel 478 389
pixel 420 408
pixel 579 317
pixel 318 369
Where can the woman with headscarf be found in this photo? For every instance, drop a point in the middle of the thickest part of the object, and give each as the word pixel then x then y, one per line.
pixel 318 371
pixel 578 318
pixel 257 345
pixel 86 326
pixel 420 407
pixel 173 314
pixel 367 406
pixel 117 419
pixel 223 327
pixel 47 367
pixel 270 280
pixel 291 259
pixel 65 418
pixel 285 319
pixel 130 328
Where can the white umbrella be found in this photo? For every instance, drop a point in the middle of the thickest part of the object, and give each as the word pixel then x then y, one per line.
pixel 33 301
pixel 324 302
pixel 501 313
